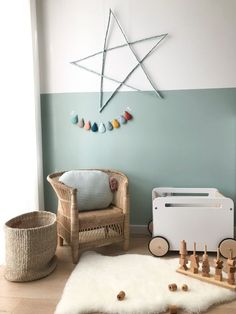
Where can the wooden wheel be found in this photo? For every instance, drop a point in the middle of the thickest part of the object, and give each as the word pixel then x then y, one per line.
pixel 150 227
pixel 227 244
pixel 158 246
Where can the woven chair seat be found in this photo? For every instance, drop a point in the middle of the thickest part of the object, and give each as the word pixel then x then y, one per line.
pixel 100 217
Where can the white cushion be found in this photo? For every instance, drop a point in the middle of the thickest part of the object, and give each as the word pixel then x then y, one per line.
pixel 93 188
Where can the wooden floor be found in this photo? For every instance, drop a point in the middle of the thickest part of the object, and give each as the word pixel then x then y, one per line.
pixel 41 296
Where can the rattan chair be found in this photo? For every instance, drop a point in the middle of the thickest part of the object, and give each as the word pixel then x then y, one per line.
pixel 94 228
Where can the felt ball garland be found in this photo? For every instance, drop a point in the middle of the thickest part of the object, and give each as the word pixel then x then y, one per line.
pixel 122 120
pixel 109 126
pixel 74 119
pixel 128 116
pixel 87 125
pixel 103 127
pixel 94 127
pixel 81 123
pixel 115 123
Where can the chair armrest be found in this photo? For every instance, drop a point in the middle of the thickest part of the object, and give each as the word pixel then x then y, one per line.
pixel 121 196
pixel 64 194
pixel 67 204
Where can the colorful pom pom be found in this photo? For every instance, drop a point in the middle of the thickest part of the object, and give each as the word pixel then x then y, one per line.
pixel 87 125
pixel 128 116
pixel 109 126
pixel 94 127
pixel 113 184
pixel 102 128
pixel 115 123
pixel 74 119
pixel 81 123
pixel 122 120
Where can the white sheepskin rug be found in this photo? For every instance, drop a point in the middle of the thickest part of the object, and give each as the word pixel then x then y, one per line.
pixel 95 282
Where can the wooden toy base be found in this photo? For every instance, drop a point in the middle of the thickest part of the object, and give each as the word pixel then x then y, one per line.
pixel 210 279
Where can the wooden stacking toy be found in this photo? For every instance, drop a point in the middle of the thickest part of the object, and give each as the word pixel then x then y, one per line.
pixel 231 263
pixel 194 260
pixel 183 255
pixel 205 264
pixel 204 274
pixel 218 263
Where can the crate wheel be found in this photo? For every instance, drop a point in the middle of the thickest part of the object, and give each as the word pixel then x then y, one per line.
pixel 158 246
pixel 227 244
pixel 150 227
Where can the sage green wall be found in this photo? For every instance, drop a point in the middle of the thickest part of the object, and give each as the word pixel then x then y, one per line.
pixel 188 139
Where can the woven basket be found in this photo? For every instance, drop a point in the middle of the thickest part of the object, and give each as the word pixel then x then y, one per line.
pixel 31 241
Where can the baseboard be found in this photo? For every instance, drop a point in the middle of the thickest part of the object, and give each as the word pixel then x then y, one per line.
pixel 142 229
pixel 139 229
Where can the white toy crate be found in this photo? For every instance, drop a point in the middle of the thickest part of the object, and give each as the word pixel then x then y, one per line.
pixel 198 215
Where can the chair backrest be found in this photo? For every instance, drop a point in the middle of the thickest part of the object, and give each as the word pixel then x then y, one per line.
pixel 64 192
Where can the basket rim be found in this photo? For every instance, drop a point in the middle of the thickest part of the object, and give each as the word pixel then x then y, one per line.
pixel 38 212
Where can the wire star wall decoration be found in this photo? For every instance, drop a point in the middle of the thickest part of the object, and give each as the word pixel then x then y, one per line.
pixel 130 44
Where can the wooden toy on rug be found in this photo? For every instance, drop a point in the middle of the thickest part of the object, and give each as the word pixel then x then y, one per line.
pixel 173 309
pixel 194 259
pixel 218 263
pixel 231 263
pixel 172 287
pixel 184 287
pixel 217 278
pixel 205 264
pixel 121 295
pixel 183 261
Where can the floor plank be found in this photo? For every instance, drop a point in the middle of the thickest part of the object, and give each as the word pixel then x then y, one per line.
pixel 42 296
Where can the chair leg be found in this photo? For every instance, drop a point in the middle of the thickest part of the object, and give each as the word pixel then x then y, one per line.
pixel 60 241
pixel 126 234
pixel 75 254
pixel 126 245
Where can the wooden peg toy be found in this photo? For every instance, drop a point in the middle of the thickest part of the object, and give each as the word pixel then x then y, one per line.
pixel 183 248
pixel 205 264
pixel 121 296
pixel 183 255
pixel 218 263
pixel 231 263
pixel 194 259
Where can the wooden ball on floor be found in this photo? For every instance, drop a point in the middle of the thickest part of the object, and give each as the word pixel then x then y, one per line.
pixel 173 309
pixel 172 287
pixel 184 287
pixel 121 296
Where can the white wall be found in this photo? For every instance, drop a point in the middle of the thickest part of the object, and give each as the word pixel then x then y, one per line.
pixel 198 53
pixel 21 183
